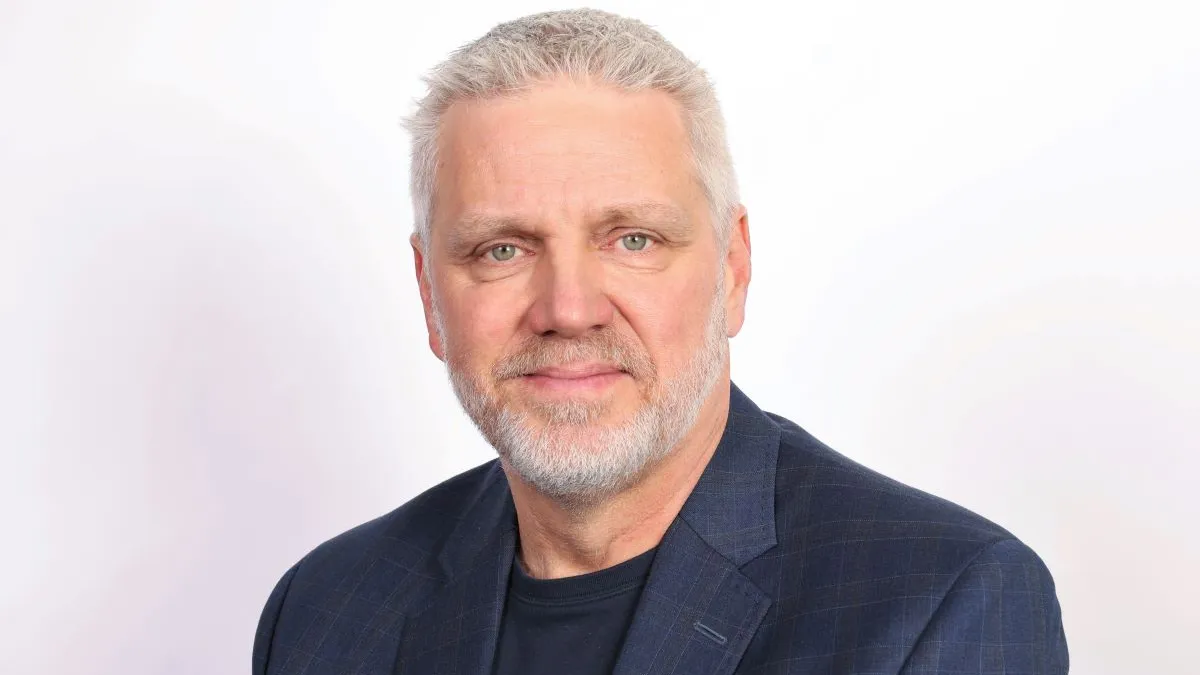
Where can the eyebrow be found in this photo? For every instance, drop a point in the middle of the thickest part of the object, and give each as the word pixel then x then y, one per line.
pixel 660 214
pixel 670 220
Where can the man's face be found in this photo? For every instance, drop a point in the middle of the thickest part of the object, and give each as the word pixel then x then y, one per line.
pixel 577 290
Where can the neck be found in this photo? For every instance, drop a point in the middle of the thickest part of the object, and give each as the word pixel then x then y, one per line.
pixel 560 540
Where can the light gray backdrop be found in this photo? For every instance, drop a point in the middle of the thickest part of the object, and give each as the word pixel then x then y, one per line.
pixel 975 249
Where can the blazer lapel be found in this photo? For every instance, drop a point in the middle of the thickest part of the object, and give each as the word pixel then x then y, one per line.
pixel 698 612
pixel 455 632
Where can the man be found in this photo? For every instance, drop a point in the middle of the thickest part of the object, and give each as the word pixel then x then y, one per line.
pixel 583 259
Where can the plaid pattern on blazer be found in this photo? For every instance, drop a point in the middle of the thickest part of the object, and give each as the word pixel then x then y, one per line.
pixel 787 558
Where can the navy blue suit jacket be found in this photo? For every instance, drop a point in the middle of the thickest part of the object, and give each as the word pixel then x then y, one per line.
pixel 786 558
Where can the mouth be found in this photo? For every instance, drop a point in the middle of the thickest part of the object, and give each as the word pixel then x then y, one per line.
pixel 584 378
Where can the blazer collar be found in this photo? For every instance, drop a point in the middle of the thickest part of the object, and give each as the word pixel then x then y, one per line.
pixel 491 517
pixel 732 507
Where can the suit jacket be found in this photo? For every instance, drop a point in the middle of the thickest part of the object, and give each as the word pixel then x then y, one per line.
pixel 786 558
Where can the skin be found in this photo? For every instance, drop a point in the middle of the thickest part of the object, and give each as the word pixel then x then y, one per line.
pixel 564 173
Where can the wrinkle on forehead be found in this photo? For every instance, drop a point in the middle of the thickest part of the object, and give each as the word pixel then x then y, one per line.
pixel 669 219
pixel 552 154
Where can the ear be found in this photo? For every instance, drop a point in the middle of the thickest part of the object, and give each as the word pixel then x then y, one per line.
pixel 737 272
pixel 423 282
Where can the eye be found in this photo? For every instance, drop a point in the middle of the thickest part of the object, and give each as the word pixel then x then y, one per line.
pixel 503 252
pixel 635 241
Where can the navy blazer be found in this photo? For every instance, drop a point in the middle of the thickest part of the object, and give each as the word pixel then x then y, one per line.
pixel 786 558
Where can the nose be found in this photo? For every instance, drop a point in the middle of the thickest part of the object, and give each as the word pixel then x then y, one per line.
pixel 569 294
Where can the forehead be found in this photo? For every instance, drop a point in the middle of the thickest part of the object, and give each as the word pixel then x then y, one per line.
pixel 562 150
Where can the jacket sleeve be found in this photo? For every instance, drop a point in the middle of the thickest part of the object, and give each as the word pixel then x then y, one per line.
pixel 1000 616
pixel 265 634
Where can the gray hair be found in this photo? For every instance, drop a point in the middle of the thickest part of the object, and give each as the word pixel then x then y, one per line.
pixel 580 44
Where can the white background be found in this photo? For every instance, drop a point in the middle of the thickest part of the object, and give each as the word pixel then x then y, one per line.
pixel 975 247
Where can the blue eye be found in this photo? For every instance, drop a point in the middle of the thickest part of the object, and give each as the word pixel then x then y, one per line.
pixel 635 242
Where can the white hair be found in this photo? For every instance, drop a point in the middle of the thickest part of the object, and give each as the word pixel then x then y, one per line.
pixel 583 44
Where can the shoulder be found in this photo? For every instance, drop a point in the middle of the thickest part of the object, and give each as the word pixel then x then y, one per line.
pixel 859 516
pixel 841 491
pixel 413 532
pixel 336 589
pixel 860 541
pixel 391 556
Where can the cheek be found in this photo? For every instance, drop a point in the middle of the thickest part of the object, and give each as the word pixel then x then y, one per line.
pixel 482 325
pixel 668 318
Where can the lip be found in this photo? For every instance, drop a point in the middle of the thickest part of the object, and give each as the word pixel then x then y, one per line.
pixel 574 380
pixel 577 371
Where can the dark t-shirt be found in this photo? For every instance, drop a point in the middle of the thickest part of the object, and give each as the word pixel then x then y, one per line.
pixel 573 625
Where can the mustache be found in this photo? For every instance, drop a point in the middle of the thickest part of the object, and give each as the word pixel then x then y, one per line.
pixel 605 346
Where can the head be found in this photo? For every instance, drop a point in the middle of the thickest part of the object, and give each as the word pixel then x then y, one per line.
pixel 580 250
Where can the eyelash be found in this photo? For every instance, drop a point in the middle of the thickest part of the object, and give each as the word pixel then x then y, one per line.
pixel 649 238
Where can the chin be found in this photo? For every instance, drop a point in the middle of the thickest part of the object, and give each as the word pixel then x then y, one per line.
pixel 572 413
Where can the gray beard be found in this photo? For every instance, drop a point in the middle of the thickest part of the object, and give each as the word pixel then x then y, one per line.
pixel 564 454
